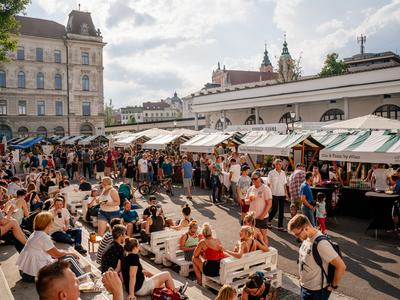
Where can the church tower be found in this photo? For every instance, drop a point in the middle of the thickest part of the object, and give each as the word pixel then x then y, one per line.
pixel 266 65
pixel 286 63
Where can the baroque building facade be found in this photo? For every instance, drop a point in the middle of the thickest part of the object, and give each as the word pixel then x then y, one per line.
pixel 53 83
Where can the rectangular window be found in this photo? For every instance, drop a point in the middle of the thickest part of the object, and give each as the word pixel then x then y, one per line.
pixel 86 108
pixel 59 108
pixel 41 108
pixel 22 108
pixel 57 56
pixel 3 107
pixel 20 53
pixel 39 54
pixel 85 58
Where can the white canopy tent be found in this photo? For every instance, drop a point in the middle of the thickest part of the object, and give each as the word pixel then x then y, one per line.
pixel 206 143
pixel 184 131
pixel 161 142
pixel 133 138
pixel 279 145
pixel 89 139
pixel 153 132
pixel 365 122
pixel 74 139
pixel 368 147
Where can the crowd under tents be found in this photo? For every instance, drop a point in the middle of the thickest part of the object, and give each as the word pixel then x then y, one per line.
pixel 207 143
pixel 163 141
pixel 28 143
pixel 366 147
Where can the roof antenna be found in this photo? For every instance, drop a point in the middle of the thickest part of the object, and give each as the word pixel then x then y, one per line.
pixel 79 6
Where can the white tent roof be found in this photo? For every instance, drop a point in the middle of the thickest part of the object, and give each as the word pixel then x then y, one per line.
pixel 366 122
pixel 184 131
pixel 90 138
pixel 161 142
pixel 277 144
pixel 74 139
pixel 153 132
pixel 126 141
pixel 206 142
pixel 373 147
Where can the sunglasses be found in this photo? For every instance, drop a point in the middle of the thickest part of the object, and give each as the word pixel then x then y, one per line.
pixel 254 178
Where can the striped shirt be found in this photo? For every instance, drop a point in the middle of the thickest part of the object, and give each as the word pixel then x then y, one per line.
pixel 105 242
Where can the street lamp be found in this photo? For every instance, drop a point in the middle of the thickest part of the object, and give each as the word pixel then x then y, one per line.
pixel 175 123
pixel 292 117
pixel 222 119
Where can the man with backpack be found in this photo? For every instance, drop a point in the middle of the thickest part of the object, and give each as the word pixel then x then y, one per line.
pixel 320 264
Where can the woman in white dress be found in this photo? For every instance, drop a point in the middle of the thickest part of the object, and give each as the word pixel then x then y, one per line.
pixel 40 251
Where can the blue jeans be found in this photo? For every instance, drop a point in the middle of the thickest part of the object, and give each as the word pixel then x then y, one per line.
pixel 309 213
pixel 71 236
pixel 314 295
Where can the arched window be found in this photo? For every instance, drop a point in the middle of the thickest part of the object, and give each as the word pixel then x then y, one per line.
pixel 252 120
pixel 332 114
pixel 2 79
pixel 21 80
pixel 220 126
pixel 59 130
pixel 285 118
pixel 57 82
pixel 389 111
pixel 40 80
pixel 85 83
pixel 41 131
pixel 86 129
pixel 23 132
pixel 5 131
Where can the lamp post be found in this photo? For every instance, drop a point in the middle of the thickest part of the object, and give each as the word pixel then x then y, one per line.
pixel 223 123
pixel 175 123
pixel 292 117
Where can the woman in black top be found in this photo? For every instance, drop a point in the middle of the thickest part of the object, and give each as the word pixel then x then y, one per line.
pixel 138 281
pixel 257 287
pixel 130 171
pixel 114 254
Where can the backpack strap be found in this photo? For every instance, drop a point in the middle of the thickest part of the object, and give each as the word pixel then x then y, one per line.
pixel 317 256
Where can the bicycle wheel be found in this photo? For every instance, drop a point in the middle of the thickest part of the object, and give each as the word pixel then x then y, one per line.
pixel 144 189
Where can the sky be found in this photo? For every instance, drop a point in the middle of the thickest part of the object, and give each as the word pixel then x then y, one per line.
pixel 156 47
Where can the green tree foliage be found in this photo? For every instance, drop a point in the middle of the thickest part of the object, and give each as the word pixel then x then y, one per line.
pixel 9 25
pixel 332 66
pixel 132 120
pixel 109 120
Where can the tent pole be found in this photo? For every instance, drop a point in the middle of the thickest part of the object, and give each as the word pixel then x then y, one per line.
pixel 358 169
pixel 312 159
pixel 302 153
pixel 252 162
pixel 291 162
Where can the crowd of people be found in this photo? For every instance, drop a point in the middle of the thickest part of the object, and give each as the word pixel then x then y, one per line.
pixel 34 213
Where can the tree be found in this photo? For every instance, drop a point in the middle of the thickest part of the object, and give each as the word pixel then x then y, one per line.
pixel 332 66
pixel 109 114
pixel 9 26
pixel 132 120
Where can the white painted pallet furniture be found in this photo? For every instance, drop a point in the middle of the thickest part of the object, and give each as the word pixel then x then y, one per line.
pixel 158 243
pixel 235 271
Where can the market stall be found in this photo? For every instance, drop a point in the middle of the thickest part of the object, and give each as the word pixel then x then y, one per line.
pixel 93 139
pixel 75 139
pixel 207 143
pixel 28 143
pixel 132 140
pixel 297 147
pixel 164 142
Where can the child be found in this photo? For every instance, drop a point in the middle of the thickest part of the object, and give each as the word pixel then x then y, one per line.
pixel 321 211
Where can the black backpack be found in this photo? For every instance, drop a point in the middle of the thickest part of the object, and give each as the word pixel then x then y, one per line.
pixel 331 268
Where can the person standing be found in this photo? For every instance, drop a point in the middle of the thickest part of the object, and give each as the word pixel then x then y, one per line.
pixel 143 168
pixel 87 167
pixel 234 175
pixel 307 198
pixel 295 181
pixel 243 185
pixel 277 182
pixel 187 175
pixel 70 160
pixel 313 281
pixel 259 198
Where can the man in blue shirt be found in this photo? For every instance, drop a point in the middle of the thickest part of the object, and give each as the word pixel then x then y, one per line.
pixel 130 217
pixel 187 175
pixel 307 198
pixel 168 172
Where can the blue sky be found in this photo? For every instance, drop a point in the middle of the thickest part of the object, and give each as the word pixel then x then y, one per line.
pixel 156 46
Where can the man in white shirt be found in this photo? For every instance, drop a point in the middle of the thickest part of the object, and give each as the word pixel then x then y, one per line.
pixel 143 168
pixel 259 198
pixel 277 182
pixel 62 231
pixel 380 178
pixel 234 175
pixel 70 159
pixel 314 284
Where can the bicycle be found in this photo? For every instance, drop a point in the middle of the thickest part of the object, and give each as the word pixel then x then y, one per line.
pixel 146 189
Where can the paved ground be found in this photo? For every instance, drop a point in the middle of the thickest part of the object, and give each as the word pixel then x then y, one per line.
pixel 373 265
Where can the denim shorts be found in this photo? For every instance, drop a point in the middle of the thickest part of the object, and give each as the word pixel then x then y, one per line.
pixel 108 215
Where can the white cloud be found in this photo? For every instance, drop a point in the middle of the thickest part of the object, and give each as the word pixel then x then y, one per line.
pixel 330 25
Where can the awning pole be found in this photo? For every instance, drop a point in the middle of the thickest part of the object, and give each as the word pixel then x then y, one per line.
pixel 312 159
pixel 302 154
